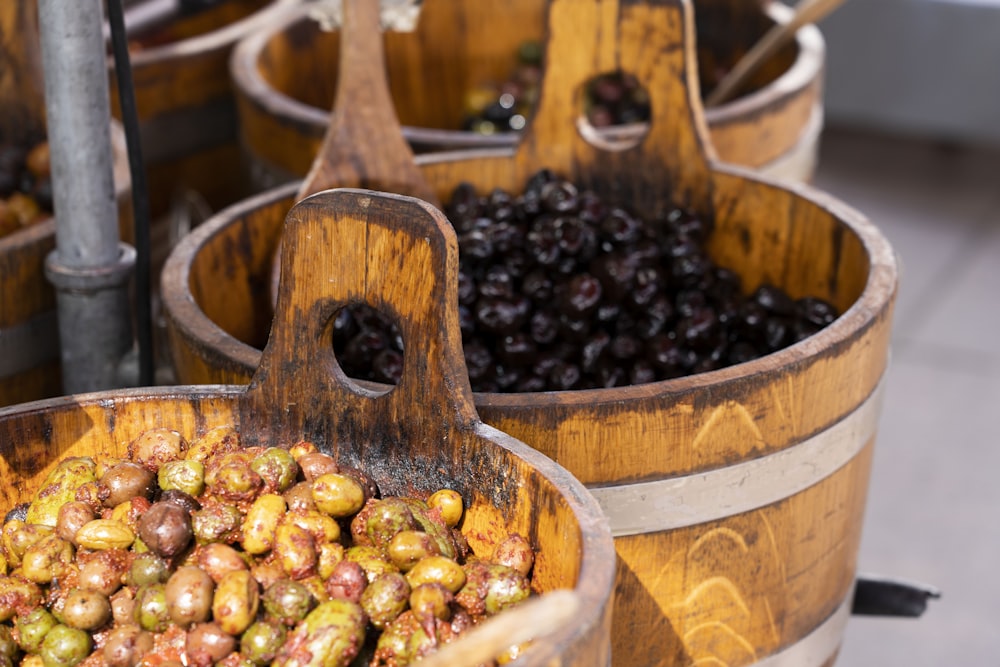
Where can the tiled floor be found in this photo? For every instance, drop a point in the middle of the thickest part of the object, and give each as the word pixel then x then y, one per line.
pixel 934 505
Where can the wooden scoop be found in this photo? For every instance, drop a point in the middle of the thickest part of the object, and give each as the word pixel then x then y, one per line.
pixel 22 91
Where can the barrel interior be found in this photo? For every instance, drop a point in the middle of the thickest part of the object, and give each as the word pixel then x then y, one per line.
pixel 529 501
pixel 432 69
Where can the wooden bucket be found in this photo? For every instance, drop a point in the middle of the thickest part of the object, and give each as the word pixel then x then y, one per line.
pixel 285 77
pixel 29 331
pixel 422 436
pixel 184 98
pixel 736 496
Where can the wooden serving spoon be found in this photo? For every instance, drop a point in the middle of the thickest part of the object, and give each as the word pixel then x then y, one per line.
pixel 807 11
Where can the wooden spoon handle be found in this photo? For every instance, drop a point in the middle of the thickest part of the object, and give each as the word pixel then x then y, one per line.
pixel 399 255
pixel 364 144
pixel 652 39
pixel 22 92
pixel 807 11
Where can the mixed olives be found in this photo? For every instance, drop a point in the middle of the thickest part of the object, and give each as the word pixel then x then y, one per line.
pixel 560 290
pixel 25 186
pixel 208 553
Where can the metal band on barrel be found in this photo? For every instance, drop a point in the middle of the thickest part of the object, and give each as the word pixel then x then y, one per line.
pixel 651 507
pixel 29 344
pixel 816 648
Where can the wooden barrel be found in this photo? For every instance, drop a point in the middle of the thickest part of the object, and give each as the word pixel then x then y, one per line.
pixel 285 77
pixel 184 98
pixel 29 332
pixel 421 437
pixel 736 496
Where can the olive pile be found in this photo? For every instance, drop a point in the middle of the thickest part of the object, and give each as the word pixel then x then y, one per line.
pixel 214 554
pixel 559 290
pixel 25 186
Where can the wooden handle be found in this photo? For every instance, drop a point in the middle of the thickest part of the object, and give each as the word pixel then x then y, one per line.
pixel 22 91
pixel 652 39
pixel 807 11
pixel 364 145
pixel 399 255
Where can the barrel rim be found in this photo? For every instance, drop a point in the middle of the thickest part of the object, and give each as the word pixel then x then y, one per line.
pixel 220 39
pixel 597 560
pixel 872 304
pixel 250 84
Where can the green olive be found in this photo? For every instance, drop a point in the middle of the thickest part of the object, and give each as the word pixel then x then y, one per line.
pixel 449 503
pixel 295 549
pixel 385 598
pixel 409 546
pixel 331 634
pixel 277 468
pixel 216 522
pixel 431 600
pixel 157 446
pixel 490 588
pixel 261 522
pixel 32 628
pixel 126 645
pixel 19 537
pixel 47 559
pixel 189 593
pixel 301 448
pixel 373 561
pixel 147 568
pixel 86 610
pixel 234 606
pixel 207 643
pixel 60 488
pixel 65 647
pixel 219 439
pixel 287 601
pixel 185 475
pixel 328 555
pixel 17 593
pixel 388 517
pixel 437 569
pixel 8 645
pixel 337 495
pixel 151 611
pixel 262 641
pixel 235 481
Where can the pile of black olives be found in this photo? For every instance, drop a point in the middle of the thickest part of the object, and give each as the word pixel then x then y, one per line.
pixel 25 186
pixel 559 290
pixel 207 553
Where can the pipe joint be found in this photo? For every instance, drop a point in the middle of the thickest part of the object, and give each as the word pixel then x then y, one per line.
pixel 90 280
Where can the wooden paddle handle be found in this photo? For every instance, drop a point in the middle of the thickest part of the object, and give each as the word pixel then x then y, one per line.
pixel 364 145
pixel 399 255
pixel 652 39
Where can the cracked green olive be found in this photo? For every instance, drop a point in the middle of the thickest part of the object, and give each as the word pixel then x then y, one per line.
pixel 185 475
pixel 65 647
pixel 385 599
pixel 262 641
pixel 287 601
pixel 277 468
pixel 32 628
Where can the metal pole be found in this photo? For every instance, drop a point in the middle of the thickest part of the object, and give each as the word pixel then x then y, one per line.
pixel 89 268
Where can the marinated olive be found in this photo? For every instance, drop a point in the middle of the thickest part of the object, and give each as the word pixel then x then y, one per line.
pixel 295 549
pixel 385 599
pixel 19 596
pixel 151 611
pixel 491 587
pixel 32 628
pixel 287 601
pixel 71 518
pixel 86 610
pixel 337 495
pixel 372 560
pixel 104 571
pixel 147 568
pixel 65 647
pixel 217 522
pixel 186 475
pixel 316 464
pixel 101 534
pixel 347 581
pixel 235 603
pixel 217 559
pixel 449 504
pixel 262 641
pixel 437 570
pixel 235 481
pixel 218 440
pixel 208 643
pixel 126 481
pixel 126 645
pixel 299 497
pixel 409 546
pixel 189 593
pixel 301 448
pixel 157 446
pixel 277 468
pixel 431 600
pixel 388 517
pixel 516 553
pixel 60 488
pixel 166 529
pixel 8 645
pixel 331 634
pixel 47 559
pixel 261 522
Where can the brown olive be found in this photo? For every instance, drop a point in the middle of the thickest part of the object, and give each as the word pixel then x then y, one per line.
pixel 515 553
pixel 299 497
pixel 71 518
pixel 123 607
pixel 126 481
pixel 178 497
pixel 157 446
pixel 189 594
pixel 316 464
pixel 207 643
pixel 166 529
pixel 348 581
pixel 217 559
pixel 86 610
pixel 104 571
pixel 126 645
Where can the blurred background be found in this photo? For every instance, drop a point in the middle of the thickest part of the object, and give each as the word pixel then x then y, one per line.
pixel 912 103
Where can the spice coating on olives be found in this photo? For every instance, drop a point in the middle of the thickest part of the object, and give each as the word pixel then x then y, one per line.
pixel 205 555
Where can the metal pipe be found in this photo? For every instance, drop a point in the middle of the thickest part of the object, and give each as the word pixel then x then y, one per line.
pixel 89 268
